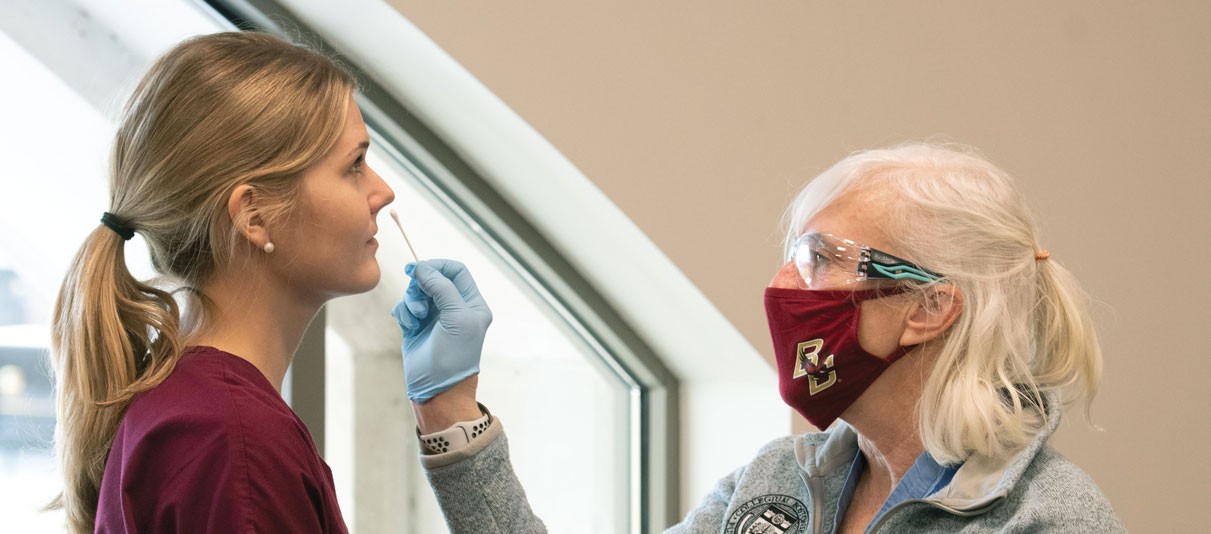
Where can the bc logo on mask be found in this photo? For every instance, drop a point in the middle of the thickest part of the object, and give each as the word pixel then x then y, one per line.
pixel 807 363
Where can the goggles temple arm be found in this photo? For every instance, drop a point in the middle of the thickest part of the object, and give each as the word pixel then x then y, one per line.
pixel 877 264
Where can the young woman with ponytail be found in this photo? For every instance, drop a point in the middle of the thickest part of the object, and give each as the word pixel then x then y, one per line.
pixel 918 322
pixel 240 160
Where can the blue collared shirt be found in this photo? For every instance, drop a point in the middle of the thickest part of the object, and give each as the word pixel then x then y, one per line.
pixel 923 479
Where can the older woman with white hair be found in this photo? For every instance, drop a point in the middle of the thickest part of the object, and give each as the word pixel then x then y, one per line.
pixel 917 320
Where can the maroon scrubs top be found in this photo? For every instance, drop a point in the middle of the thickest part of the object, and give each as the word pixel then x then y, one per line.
pixel 214 448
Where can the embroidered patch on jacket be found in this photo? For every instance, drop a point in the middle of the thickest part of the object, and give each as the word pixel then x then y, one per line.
pixel 769 514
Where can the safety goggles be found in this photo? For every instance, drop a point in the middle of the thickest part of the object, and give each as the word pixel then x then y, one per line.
pixel 828 261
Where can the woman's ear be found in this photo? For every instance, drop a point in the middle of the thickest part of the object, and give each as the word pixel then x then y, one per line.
pixel 932 314
pixel 241 208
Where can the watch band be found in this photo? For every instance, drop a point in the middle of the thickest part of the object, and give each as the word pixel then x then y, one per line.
pixel 457 436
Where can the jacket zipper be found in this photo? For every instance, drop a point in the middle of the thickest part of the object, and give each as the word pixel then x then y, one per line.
pixel 813 488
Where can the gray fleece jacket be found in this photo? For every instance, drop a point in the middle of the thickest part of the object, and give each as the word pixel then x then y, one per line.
pixel 794 484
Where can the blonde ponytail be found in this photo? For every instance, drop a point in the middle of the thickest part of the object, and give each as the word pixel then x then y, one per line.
pixel 112 337
pixel 214 113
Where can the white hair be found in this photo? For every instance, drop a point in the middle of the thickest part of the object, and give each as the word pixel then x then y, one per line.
pixel 1024 327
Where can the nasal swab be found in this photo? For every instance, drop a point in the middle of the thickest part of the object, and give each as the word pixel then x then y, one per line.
pixel 395 217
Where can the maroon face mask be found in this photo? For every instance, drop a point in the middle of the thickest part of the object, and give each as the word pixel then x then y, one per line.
pixel 822 369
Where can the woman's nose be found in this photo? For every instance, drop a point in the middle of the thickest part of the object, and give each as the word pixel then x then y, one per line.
pixel 383 196
pixel 787 277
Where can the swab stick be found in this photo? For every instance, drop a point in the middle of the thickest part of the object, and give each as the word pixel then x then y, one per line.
pixel 395 217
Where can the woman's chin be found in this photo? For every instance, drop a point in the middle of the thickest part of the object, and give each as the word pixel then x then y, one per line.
pixel 365 280
pixel 369 280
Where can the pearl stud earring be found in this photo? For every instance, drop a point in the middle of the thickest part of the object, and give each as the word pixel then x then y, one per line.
pixel 269 248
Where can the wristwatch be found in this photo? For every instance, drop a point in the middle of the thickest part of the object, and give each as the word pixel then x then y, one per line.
pixel 458 436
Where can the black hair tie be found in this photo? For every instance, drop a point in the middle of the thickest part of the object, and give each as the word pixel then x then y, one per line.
pixel 108 219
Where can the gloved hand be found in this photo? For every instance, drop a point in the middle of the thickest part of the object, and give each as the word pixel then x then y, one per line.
pixel 444 319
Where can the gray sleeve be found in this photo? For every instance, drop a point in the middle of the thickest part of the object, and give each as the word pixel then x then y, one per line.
pixel 477 489
pixel 708 516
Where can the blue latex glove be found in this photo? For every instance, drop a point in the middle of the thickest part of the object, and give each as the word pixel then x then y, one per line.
pixel 444 319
